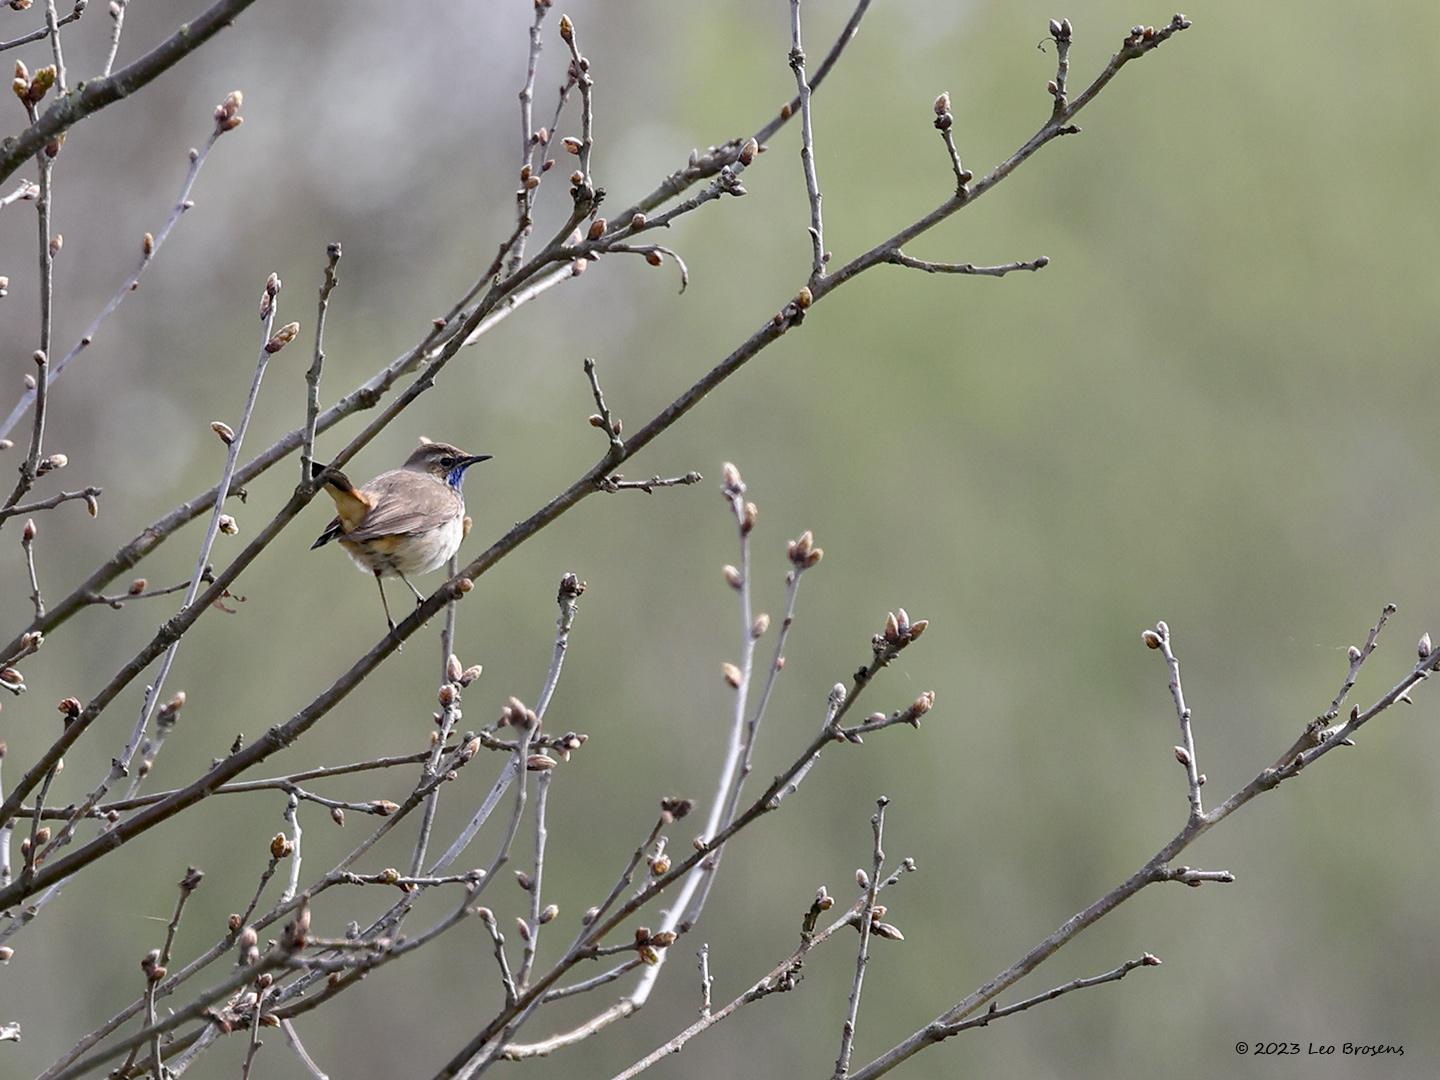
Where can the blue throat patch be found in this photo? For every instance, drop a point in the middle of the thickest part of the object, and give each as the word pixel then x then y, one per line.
pixel 456 476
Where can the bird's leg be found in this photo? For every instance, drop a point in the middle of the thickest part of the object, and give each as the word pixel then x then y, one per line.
pixel 419 596
pixel 384 603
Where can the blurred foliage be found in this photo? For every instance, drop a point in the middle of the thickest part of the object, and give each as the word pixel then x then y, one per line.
pixel 1216 406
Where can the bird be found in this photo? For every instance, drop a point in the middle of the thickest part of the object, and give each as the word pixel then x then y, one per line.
pixel 406 521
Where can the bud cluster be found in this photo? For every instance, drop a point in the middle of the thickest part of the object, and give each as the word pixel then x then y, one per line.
pixel 803 553
pixel 516 713
pixel 899 631
pixel 31 88
pixel 267 298
pixel 227 113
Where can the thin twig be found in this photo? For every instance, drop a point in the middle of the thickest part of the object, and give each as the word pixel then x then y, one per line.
pixel 292 815
pixel 117 16
pixel 450 702
pixel 583 986
pixel 312 377
pixel 53 24
pixel 617 482
pixel 30 467
pixel 27 191
pixel 1114 975
pixel 1060 33
pixel 685 911
pixel 293 1038
pixel 487 917
pixel 87 493
pixel 862 956
pixel 529 180
pixel 6 833
pixel 156 972
pixel 532 939
pixel 801 555
pixel 807 146
pixel 584 191
pixel 899 258
pixel 608 422
pixel 706 982
pixel 119 600
pixel 27 543
pixel 287 783
pixel 1185 752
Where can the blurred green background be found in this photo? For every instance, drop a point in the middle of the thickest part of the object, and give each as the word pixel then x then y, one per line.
pixel 1214 407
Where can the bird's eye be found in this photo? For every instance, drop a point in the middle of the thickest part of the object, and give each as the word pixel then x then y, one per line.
pixel 449 461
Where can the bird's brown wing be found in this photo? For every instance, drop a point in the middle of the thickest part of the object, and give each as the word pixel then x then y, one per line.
pixel 400 502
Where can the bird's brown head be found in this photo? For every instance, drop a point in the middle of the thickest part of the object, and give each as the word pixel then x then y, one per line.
pixel 443 461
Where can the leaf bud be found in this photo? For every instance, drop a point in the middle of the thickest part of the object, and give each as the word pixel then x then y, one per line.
pixel 284 336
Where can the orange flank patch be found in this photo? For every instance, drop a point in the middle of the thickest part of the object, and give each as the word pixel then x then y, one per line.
pixel 378 545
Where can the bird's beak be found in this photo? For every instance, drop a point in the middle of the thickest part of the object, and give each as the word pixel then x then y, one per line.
pixel 475 459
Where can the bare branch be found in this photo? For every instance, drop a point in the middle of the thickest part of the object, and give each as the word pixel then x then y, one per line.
pixel 117 16
pixel 89 494
pixel 899 258
pixel 617 482
pixel 995 1013
pixel 312 376
pixel 1185 752
pixel 807 146
pixel 871 885
pixel 27 543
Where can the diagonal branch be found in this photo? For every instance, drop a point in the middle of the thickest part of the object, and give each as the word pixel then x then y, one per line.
pixel 995 1013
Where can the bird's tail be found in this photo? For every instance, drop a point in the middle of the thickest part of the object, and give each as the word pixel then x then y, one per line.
pixel 350 502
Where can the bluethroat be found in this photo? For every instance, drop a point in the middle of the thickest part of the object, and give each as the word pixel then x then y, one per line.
pixel 409 520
